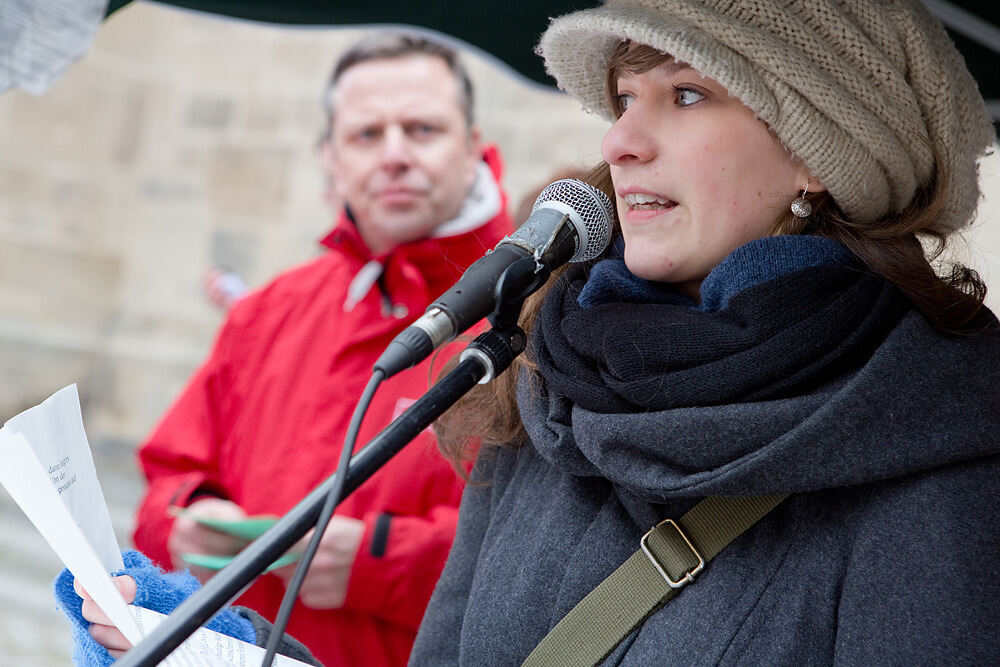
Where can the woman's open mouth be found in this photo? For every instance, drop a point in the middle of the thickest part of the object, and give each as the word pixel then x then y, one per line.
pixel 638 201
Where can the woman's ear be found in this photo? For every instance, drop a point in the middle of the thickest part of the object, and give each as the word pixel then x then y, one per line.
pixel 814 184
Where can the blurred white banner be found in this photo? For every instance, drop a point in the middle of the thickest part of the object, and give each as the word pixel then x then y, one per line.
pixel 39 39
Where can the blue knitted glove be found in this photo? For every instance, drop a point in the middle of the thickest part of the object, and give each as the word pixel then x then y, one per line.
pixel 155 590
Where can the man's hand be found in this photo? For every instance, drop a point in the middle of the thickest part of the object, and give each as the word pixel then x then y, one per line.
pixel 325 585
pixel 189 536
pixel 102 629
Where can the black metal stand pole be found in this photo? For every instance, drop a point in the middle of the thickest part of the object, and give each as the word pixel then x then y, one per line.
pixel 229 582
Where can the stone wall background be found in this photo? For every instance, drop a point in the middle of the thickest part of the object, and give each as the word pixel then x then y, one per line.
pixel 185 140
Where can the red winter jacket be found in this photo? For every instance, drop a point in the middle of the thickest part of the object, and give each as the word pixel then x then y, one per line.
pixel 263 420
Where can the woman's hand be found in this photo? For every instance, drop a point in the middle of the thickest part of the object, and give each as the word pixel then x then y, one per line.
pixel 102 629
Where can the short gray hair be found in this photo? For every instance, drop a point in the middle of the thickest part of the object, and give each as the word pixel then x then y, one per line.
pixel 398 44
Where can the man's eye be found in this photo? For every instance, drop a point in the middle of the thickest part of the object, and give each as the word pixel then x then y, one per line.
pixel 685 97
pixel 422 130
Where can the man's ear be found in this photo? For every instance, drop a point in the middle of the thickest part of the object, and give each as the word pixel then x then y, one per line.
pixel 327 157
pixel 475 153
pixel 334 193
pixel 331 191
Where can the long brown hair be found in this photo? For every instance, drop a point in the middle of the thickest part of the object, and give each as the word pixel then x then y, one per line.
pixel 901 248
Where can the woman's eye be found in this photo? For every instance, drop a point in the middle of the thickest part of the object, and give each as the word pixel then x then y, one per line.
pixel 685 97
pixel 624 101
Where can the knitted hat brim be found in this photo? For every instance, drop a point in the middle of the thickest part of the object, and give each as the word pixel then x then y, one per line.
pixel 871 156
pixel 582 72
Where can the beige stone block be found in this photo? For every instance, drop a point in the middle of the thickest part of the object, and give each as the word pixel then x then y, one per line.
pixel 211 111
pixel 131 394
pixel 36 363
pixel 79 118
pixel 58 287
pixel 248 182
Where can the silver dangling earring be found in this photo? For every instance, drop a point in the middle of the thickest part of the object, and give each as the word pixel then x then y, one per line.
pixel 801 207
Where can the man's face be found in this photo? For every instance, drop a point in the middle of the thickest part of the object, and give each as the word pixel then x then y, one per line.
pixel 401 153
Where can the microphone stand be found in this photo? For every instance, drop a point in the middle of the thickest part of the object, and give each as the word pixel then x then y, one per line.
pixel 488 356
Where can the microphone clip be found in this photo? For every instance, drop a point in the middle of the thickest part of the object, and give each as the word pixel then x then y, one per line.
pixel 518 281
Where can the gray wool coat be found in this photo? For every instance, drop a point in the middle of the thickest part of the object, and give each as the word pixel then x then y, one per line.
pixel 886 553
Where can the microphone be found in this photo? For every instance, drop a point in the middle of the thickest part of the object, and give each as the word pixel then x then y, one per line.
pixel 570 222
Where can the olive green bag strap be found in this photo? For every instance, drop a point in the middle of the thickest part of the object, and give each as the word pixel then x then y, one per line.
pixel 671 556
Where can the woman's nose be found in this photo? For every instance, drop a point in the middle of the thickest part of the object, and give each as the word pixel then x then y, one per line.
pixel 629 139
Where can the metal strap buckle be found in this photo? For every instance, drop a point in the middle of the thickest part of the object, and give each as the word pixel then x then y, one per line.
pixel 690 574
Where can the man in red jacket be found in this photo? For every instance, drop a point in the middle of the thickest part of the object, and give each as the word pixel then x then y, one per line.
pixel 263 420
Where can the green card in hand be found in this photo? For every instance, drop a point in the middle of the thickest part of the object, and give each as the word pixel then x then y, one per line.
pixel 249 528
pixel 211 562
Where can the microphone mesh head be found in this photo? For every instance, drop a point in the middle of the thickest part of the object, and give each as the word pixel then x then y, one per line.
pixel 589 209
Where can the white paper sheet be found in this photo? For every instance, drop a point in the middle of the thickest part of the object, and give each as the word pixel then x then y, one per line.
pixel 209 649
pixel 48 469
pixel 55 432
pixel 30 486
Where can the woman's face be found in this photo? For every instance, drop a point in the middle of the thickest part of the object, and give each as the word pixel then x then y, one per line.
pixel 696 174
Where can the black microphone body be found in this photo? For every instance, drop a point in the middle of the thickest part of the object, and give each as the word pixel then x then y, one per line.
pixel 571 221
pixel 474 296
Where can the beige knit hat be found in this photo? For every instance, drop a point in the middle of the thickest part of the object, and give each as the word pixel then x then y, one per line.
pixel 863 91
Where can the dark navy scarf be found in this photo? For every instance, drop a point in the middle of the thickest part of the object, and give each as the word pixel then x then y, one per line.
pixel 777 316
pixel 756 262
